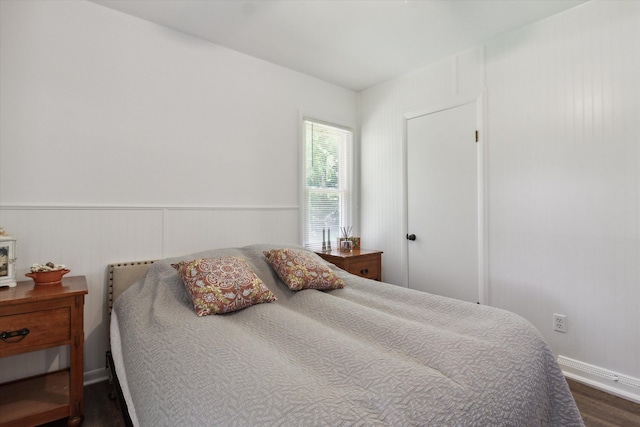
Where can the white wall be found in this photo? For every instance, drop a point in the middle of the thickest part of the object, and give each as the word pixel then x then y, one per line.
pixel 564 168
pixel 562 178
pixel 121 140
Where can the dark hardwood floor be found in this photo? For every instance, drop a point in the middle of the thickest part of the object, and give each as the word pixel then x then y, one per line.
pixel 598 409
pixel 99 409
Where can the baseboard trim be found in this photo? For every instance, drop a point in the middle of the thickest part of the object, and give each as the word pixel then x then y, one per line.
pixel 602 379
pixel 96 376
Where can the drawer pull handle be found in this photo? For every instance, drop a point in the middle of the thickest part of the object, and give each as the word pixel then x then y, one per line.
pixel 21 334
pixel 364 271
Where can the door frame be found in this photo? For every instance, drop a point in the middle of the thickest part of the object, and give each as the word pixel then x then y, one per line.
pixel 479 101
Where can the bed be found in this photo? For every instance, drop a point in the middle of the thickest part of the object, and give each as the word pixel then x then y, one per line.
pixel 369 353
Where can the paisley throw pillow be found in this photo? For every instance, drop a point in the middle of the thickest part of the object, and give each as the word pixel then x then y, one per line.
pixel 301 269
pixel 222 285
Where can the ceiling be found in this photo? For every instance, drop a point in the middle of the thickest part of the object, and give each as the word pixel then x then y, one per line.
pixel 353 44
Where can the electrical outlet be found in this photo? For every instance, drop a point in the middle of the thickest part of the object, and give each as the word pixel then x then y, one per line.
pixel 559 322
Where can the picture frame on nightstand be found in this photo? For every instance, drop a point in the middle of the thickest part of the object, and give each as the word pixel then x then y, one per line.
pixel 7 261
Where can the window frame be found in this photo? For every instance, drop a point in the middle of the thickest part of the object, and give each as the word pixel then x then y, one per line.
pixel 348 214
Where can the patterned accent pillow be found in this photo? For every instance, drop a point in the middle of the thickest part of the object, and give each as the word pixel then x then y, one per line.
pixel 221 285
pixel 301 269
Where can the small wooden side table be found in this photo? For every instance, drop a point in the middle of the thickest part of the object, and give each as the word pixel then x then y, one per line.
pixel 362 262
pixel 35 318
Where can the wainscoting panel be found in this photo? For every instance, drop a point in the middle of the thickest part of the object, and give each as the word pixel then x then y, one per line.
pixel 193 230
pixel 383 158
pixel 564 162
pixel 88 238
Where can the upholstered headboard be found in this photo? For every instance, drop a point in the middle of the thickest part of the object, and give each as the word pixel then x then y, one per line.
pixel 123 275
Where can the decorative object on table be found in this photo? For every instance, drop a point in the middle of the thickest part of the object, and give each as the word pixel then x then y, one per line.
pixel 7 260
pixel 355 242
pixel 47 274
pixel 326 245
pixel 346 245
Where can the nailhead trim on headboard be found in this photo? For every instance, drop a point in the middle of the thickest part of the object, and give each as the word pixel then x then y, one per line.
pixel 112 268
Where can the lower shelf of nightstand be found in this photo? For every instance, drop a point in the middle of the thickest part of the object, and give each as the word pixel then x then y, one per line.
pixel 35 400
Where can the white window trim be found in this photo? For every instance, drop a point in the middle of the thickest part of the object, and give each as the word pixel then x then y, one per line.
pixel 354 179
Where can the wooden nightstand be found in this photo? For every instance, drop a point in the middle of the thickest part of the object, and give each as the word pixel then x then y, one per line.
pixel 362 262
pixel 35 318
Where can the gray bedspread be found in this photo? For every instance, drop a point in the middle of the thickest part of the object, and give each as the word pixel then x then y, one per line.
pixel 369 354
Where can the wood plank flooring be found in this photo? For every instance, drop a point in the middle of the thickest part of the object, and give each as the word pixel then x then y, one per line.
pixel 99 409
pixel 598 409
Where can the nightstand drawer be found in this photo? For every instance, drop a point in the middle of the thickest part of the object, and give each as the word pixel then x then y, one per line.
pixel 46 328
pixel 365 268
pixel 361 262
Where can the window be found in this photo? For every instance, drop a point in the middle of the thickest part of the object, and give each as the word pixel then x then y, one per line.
pixel 327 182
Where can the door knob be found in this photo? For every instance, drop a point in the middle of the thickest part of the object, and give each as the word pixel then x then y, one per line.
pixel 411 237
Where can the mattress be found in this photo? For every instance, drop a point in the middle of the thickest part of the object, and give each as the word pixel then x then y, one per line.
pixel 369 354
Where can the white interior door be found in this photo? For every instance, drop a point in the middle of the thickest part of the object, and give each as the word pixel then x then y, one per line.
pixel 442 203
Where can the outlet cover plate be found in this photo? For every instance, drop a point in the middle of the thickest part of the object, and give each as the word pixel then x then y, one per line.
pixel 559 323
